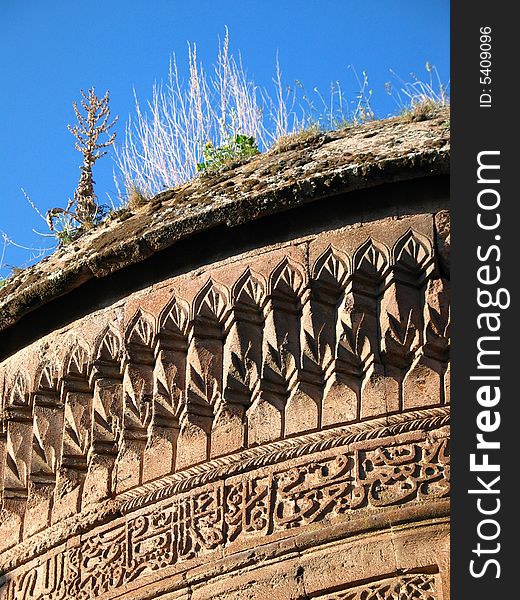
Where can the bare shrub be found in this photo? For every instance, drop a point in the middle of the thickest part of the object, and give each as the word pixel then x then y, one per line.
pixel 83 210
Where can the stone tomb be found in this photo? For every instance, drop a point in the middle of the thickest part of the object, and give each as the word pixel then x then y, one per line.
pixel 257 406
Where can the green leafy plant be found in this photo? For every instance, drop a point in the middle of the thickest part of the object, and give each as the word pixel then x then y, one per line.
pixel 239 147
pixel 64 228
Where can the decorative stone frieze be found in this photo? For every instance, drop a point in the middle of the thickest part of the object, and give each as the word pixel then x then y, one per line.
pixel 247 412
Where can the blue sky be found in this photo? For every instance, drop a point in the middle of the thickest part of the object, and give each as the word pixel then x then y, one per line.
pixel 52 49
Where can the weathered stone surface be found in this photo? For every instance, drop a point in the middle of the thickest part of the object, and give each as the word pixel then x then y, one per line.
pixel 268 423
pixel 334 162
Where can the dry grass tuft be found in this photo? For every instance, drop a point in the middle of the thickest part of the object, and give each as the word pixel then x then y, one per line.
pixel 136 198
pixel 422 110
pixel 419 100
pixel 297 139
pixel 167 139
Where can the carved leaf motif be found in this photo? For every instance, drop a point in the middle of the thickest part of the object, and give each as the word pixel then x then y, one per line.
pixel 197 400
pixel 312 346
pixel 203 387
pixel 74 426
pixel 278 362
pixel 353 343
pixel 241 378
pixel 437 314
pixel 136 400
pixel 411 252
pixel 243 369
pixel 273 361
pixel 239 366
pixel 102 414
pixel 330 269
pixel 401 338
pixel 18 391
pixel 437 325
pixel 17 467
pixel 12 466
pixel 316 350
pixel 370 260
pixel 165 380
pixel 38 452
pixel 402 335
pixel 40 461
pixel 175 319
pixel 110 347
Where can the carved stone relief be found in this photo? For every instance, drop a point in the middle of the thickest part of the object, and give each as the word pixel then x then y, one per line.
pixel 325 487
pixel 271 395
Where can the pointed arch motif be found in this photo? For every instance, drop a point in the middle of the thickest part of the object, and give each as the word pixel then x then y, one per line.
pixel 140 330
pixel 286 280
pixel 47 377
pixel 18 395
pixel 77 359
pixel 211 303
pixel 331 268
pixel 371 260
pixel 109 347
pixel 412 252
pixel 249 291
pixel 174 318
pixel 46 384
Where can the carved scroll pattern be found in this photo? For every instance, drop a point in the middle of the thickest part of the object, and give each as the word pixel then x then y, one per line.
pixel 404 587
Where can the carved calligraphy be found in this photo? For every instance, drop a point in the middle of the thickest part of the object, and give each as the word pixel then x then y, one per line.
pixel 328 486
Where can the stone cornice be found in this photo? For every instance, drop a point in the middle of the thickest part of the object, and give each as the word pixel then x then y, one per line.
pixel 333 163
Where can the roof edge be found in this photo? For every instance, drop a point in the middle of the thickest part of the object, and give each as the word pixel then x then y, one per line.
pixel 330 164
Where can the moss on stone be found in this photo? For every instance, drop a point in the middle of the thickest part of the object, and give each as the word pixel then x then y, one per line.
pixel 319 166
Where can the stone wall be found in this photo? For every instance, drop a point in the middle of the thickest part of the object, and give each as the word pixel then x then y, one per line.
pixel 265 417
